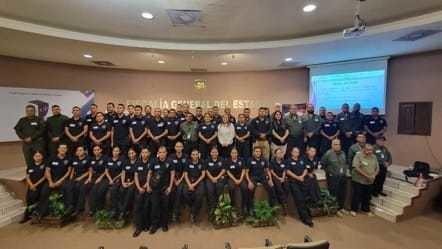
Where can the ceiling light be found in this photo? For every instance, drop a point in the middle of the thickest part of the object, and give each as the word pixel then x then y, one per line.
pixel 147 15
pixel 309 8
pixel 224 63
pixel 87 56
pixel 161 62
pixel 288 59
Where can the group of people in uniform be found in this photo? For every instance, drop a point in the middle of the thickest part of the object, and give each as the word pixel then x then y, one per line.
pixel 154 163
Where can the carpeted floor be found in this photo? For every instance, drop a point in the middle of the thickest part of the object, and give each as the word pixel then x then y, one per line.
pixel 362 232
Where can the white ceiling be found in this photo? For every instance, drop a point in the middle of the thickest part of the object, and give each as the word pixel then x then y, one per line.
pixel 247 34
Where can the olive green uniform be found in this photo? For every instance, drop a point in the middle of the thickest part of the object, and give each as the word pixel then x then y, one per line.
pixel 362 186
pixel 189 133
pixel 355 148
pixel 384 158
pixel 33 127
pixel 312 124
pixel 335 166
pixel 55 128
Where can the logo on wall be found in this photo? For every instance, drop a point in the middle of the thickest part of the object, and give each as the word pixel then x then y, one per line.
pixel 41 107
pixel 199 84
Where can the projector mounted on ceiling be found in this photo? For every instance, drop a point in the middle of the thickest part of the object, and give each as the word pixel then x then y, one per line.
pixel 359 24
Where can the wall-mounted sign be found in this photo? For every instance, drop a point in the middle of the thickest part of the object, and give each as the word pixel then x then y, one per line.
pixel 199 84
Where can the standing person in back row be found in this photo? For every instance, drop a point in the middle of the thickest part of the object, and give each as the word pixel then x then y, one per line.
pixel 312 127
pixel 375 126
pixel 329 131
pixel 242 136
pixel 384 159
pixel 189 134
pixel 120 130
pixel 345 127
pixel 365 169
pixel 55 129
pixel 157 130
pixel 75 130
pixel 30 130
pixel 261 129
pixel 296 130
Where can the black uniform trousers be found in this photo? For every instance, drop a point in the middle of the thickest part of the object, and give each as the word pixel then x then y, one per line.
pixel 29 149
pixel 244 149
pixel 160 207
pixel 361 197
pixel 97 198
pixel 378 185
pixel 142 210
pixel 238 190
pixel 127 195
pixel 251 195
pixel 225 151
pixel 65 189
pixel 79 192
pixel 295 141
pixel 325 145
pixel 312 190
pixel 346 142
pixel 214 190
pixel 194 198
pixel 298 194
pixel 337 186
pixel 314 141
pixel 281 191
pixel 138 146
pixel 177 199
pixel 32 198
pixel 204 148
pixel 189 146
pixel 115 196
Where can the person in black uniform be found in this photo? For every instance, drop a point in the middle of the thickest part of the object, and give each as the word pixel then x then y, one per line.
pixel 296 173
pixel 345 127
pixel 100 133
pixel 130 112
pixel 31 130
pixel 160 179
pixel 157 130
pixel 55 129
pixel 99 181
pixel 280 133
pixel 207 133
pixel 173 130
pixel 81 183
pixel 138 130
pixel 148 112
pixel 257 171
pixel 216 117
pixel 179 161
pixel 228 112
pixel 235 168
pixel 199 117
pixel 110 113
pixel 329 131
pixel 193 192
pixel 120 130
pixel 114 167
pixel 357 120
pixel 75 130
pixel 90 119
pixel 311 162
pixel 242 132
pixel 215 178
pixel 127 188
pixel 375 126
pixel 57 174
pixel 261 129
pixel 142 203
pixel 278 170
pixel 35 177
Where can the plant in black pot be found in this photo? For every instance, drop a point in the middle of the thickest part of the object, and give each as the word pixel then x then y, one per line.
pixel 326 206
pixel 224 215
pixel 263 215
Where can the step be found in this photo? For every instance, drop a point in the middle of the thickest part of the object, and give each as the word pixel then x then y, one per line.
pixel 382 202
pixel 10 206
pixel 399 195
pixel 402 185
pixel 4 197
pixel 2 189
pixel 385 214
pixel 13 217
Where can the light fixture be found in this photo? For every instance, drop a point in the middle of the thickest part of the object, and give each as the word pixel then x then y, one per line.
pixel 309 8
pixel 224 63
pixel 87 56
pixel 288 59
pixel 161 62
pixel 147 15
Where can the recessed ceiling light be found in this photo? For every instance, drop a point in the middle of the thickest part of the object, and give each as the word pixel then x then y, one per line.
pixel 87 56
pixel 161 62
pixel 147 15
pixel 224 63
pixel 288 59
pixel 309 8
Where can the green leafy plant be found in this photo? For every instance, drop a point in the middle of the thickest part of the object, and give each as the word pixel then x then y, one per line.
pixel 56 205
pixel 327 204
pixel 103 220
pixel 263 215
pixel 224 214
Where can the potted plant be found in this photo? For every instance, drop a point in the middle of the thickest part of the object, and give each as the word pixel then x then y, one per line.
pixel 58 215
pixel 103 220
pixel 326 206
pixel 224 215
pixel 263 215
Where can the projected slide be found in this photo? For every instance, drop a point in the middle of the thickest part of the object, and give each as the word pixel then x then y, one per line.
pixel 332 90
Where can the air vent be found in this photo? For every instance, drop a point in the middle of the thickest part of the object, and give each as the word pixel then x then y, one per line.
pixel 417 35
pixel 289 64
pixel 198 70
pixel 104 63
pixel 184 17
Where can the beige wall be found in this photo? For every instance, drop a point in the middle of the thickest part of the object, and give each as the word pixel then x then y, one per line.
pixel 412 78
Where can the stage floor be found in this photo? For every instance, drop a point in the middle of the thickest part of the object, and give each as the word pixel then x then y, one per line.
pixel 360 232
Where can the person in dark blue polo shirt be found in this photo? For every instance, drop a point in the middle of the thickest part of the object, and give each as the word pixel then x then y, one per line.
pixel 157 130
pixel 243 138
pixel 278 170
pixel 142 203
pixel 81 183
pixel 114 167
pixel 235 168
pixel 329 131
pixel 375 126
pixel 207 132
pixel 179 161
pixel 100 133
pixel 138 130
pixel 173 130
pixel 120 130
pixel 127 188
pixel 215 178
pixel 75 130
pixel 100 183
pixel 194 175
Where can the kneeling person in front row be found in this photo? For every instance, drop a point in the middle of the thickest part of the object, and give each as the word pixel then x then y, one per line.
pixel 81 182
pixel 236 182
pixel 142 203
pixel 194 174
pixel 100 183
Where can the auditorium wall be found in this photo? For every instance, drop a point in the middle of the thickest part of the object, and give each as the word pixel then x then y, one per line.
pixel 412 78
